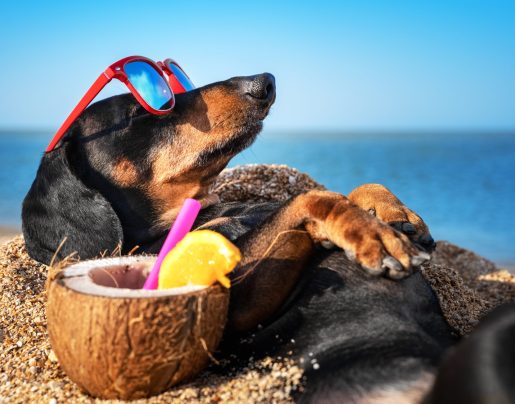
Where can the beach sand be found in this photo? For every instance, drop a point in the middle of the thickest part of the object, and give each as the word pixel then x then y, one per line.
pixel 30 372
pixel 467 287
pixel 7 233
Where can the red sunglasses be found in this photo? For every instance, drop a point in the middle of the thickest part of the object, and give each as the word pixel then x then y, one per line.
pixel 145 79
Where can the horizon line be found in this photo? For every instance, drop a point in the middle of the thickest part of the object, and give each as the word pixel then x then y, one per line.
pixel 326 130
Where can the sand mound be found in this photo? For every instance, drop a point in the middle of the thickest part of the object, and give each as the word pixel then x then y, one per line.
pixel 467 286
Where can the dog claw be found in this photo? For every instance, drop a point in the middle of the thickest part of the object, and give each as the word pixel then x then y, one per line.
pixel 394 269
pixel 392 274
pixel 392 264
pixel 327 244
pixel 396 225
pixel 408 228
pixel 426 242
pixel 419 259
pixel 404 227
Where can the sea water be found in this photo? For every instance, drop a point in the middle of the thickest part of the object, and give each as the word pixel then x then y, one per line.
pixel 462 184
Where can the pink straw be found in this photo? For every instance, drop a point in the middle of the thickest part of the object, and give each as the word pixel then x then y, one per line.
pixel 181 226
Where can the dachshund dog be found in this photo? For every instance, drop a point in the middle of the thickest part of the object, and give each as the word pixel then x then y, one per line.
pixel 121 174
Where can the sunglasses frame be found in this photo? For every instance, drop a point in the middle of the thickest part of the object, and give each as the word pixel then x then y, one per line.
pixel 117 71
pixel 176 85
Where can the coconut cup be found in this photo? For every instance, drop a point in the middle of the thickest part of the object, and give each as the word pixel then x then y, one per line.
pixel 118 341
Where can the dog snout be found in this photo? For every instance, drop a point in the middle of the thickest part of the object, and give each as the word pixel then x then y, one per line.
pixel 260 87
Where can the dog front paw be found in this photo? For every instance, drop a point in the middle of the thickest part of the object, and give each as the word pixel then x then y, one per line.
pixel 380 202
pixel 376 246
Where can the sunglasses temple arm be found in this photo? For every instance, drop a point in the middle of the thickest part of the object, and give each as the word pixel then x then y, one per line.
pixel 97 86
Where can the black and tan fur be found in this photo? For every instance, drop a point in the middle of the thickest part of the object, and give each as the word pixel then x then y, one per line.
pixel 121 175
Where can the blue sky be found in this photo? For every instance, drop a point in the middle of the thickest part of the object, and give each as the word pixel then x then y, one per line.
pixel 351 65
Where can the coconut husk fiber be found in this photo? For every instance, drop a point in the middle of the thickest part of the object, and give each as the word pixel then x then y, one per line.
pixel 467 286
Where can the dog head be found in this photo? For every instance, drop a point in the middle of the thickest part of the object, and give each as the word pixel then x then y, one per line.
pixel 121 174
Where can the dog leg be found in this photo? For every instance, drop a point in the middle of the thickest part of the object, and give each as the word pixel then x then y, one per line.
pixel 382 203
pixel 266 277
pixel 275 253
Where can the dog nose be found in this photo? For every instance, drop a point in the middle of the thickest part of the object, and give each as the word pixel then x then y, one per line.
pixel 261 86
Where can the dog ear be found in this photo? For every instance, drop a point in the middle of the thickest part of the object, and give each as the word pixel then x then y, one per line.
pixel 60 205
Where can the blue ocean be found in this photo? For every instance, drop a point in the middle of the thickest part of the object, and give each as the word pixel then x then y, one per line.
pixel 462 184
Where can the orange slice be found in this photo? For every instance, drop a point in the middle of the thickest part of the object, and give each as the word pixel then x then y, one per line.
pixel 202 257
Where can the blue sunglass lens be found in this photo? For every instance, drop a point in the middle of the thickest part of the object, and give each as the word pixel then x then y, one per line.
pixel 181 77
pixel 149 84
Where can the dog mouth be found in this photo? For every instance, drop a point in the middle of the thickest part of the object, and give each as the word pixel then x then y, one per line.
pixel 258 94
pixel 241 139
pixel 265 109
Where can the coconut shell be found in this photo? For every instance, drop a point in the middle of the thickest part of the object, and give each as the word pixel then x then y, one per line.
pixel 127 343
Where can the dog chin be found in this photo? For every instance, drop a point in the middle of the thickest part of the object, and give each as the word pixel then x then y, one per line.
pixel 248 133
pixel 241 138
